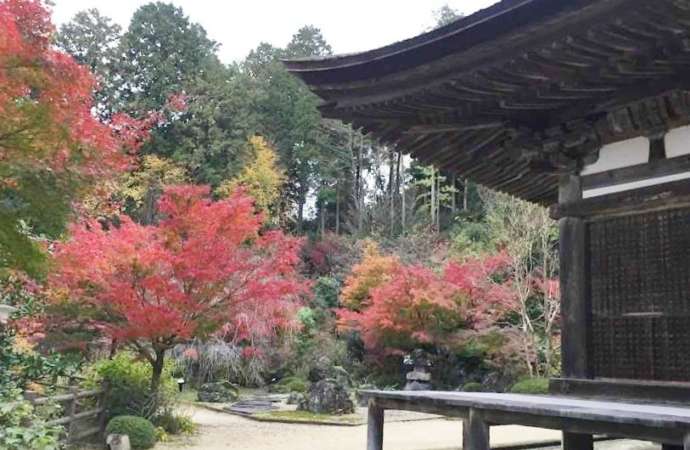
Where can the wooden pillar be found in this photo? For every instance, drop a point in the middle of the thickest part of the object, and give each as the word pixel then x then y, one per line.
pixel 375 427
pixel 475 433
pixel 575 310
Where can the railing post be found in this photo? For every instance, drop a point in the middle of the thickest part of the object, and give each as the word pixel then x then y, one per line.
pixel 72 412
pixel 375 426
pixel 102 405
pixel 475 432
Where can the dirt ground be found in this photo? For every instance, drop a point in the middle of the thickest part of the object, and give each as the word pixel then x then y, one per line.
pixel 224 431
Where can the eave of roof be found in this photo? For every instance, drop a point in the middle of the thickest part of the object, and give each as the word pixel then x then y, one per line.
pixel 482 26
pixel 485 94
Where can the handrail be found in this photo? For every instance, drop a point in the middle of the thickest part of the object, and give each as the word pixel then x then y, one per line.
pixel 73 415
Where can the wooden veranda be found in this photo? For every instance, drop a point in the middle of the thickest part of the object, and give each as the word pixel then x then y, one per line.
pixel 583 106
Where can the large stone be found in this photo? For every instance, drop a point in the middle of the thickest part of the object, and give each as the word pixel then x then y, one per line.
pixel 118 442
pixel 324 370
pixel 327 397
pixel 218 392
pixel 294 398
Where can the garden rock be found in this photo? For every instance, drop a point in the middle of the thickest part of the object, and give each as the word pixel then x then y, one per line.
pixel 294 398
pixel 118 442
pixel 327 397
pixel 325 370
pixel 218 392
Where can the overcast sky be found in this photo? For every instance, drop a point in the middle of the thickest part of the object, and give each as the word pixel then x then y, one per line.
pixel 240 25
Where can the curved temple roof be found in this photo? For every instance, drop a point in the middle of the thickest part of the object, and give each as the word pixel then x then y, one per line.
pixel 520 92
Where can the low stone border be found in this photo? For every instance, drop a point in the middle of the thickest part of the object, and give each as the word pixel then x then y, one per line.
pixel 264 417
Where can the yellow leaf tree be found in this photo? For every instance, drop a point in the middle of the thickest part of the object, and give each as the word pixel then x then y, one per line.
pixel 139 190
pixel 373 270
pixel 262 178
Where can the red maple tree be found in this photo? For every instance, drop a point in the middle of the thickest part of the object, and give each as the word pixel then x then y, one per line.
pixel 206 268
pixel 413 306
pixel 46 102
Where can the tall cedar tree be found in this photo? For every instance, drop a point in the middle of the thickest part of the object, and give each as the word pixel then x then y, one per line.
pixel 94 41
pixel 50 143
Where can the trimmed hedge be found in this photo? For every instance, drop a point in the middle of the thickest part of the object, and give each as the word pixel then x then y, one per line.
pixel 531 386
pixel 473 386
pixel 141 432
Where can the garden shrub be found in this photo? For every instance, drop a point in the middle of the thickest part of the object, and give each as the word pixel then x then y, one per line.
pixel 129 382
pixel 531 386
pixel 141 432
pixel 22 426
pixel 473 386
pixel 290 384
pixel 326 292
pixel 174 423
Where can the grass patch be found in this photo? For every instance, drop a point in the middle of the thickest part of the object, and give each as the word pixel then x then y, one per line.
pixel 308 417
pixel 539 386
pixel 187 395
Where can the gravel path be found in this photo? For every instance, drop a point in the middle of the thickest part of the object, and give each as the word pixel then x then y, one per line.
pixel 224 431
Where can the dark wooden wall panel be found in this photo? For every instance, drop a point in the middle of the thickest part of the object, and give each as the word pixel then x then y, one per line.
pixel 639 270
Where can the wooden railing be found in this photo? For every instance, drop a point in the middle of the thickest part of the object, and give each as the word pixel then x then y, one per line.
pixel 73 415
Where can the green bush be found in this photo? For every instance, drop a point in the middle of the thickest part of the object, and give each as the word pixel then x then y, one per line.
pixel 174 423
pixel 326 291
pixel 473 386
pixel 290 384
pixel 141 432
pixel 23 426
pixel 531 386
pixel 129 381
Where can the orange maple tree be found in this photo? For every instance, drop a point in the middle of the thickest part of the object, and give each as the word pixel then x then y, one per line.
pixel 405 307
pixel 206 268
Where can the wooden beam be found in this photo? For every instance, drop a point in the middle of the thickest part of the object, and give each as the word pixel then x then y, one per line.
pixel 575 310
pixel 576 441
pixel 652 169
pixel 375 419
pixel 664 196
pixel 450 128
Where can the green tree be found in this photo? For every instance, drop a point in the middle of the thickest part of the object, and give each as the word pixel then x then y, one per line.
pixel 93 40
pixel 162 52
pixel 308 41
pixel 210 137
pixel 446 15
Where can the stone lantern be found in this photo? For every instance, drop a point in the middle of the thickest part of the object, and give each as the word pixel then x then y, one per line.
pixel 419 377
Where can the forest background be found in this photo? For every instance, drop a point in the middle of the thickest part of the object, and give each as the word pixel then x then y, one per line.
pixel 393 256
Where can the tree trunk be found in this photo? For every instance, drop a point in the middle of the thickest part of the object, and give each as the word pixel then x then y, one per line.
pixel 323 212
pixel 391 190
pixel 403 206
pixel 300 214
pixel 454 195
pixel 438 202
pixel 432 207
pixel 337 208
pixel 157 364
pixel 465 195
pixel 360 200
